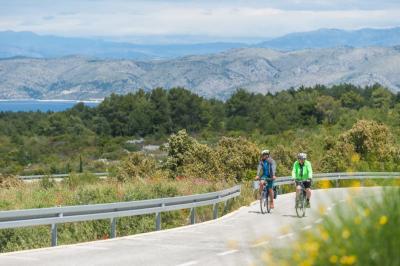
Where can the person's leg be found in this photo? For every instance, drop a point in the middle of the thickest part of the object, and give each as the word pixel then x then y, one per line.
pixel 271 196
pixel 262 182
pixel 308 192
pixel 298 190
pixel 307 186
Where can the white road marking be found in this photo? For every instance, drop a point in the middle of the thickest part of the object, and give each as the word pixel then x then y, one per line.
pixel 227 252
pixel 260 244
pixel 283 236
pixel 91 247
pixel 21 258
pixel 192 262
pixel 318 221
pixel 308 227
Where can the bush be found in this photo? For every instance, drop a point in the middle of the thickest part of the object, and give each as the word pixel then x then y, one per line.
pixel 366 142
pixel 137 165
pixel 361 233
pixel 9 181
pixel 74 180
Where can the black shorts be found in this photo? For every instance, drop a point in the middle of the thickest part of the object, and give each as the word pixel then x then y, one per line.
pixel 306 184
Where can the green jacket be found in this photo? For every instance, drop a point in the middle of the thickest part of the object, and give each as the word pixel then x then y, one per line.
pixel 307 171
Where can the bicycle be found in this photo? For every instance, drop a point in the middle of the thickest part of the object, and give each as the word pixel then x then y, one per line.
pixel 265 204
pixel 300 203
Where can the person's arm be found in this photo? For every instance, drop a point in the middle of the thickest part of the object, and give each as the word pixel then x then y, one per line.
pixel 273 168
pixel 294 171
pixel 310 172
pixel 259 168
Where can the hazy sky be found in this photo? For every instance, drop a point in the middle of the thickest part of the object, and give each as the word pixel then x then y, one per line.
pixel 217 18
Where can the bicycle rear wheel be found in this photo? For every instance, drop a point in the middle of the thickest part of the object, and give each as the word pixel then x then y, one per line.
pixel 264 202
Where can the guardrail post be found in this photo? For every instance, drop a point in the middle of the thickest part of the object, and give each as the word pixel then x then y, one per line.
pixel 158 218
pixel 158 221
pixel 113 231
pixel 193 215
pixel 215 209
pixel 54 232
pixel 362 181
pixel 337 182
pixel 226 205
pixel 54 235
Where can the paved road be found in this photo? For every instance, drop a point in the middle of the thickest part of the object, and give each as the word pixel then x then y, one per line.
pixel 235 239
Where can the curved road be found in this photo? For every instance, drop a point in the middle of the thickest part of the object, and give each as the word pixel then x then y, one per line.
pixel 235 239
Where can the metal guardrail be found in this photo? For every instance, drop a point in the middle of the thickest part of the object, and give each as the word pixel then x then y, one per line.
pixel 59 215
pixel 285 180
pixel 38 177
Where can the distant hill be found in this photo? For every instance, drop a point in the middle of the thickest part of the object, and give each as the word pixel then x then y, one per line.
pixel 29 44
pixel 218 75
pixel 328 38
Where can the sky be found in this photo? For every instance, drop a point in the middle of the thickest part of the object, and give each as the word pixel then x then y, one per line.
pixel 158 21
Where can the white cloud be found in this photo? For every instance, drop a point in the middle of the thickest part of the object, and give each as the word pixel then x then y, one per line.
pixel 210 18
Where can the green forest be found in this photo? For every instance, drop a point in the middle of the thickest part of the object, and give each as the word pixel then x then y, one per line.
pixel 343 128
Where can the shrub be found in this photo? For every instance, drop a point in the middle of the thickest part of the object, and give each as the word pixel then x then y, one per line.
pixel 361 233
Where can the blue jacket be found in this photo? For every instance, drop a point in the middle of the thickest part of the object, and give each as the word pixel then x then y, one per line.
pixel 264 165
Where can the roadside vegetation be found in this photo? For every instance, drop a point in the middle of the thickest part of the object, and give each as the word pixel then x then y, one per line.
pixel 360 232
pixel 95 139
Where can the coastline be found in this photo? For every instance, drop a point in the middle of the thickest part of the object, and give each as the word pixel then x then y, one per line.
pixel 53 100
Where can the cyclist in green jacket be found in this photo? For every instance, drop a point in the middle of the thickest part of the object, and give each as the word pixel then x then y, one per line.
pixel 302 173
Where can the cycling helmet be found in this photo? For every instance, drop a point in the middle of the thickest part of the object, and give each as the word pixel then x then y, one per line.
pixel 265 152
pixel 302 156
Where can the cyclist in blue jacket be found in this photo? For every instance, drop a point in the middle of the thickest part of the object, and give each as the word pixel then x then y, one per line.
pixel 266 170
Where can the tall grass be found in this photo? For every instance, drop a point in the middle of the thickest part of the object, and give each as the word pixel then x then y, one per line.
pixel 87 189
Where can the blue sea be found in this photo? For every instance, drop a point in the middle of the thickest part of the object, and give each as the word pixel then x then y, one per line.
pixel 42 105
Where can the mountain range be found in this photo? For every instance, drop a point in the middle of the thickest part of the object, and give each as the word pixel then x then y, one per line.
pixel 215 75
pixel 29 44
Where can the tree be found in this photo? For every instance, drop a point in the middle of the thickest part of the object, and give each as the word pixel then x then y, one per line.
pixel 328 109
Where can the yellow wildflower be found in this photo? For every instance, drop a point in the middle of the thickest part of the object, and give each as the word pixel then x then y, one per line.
pixel 321 209
pixel 355 158
pixel 306 262
pixel 356 183
pixel 357 220
pixel 367 212
pixel 333 259
pixel 324 235
pixel 348 260
pixel 325 184
pixel 383 220
pixel 346 234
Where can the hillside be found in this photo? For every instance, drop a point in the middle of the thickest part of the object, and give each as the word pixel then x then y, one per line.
pixel 325 38
pixel 218 75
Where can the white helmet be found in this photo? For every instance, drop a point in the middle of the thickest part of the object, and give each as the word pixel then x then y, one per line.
pixel 265 152
pixel 302 156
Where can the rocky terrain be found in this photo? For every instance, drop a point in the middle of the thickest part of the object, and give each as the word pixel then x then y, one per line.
pixel 216 75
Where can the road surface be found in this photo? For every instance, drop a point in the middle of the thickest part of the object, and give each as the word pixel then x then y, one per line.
pixel 235 239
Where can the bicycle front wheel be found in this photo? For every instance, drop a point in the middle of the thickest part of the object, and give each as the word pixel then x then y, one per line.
pixel 263 203
pixel 301 205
